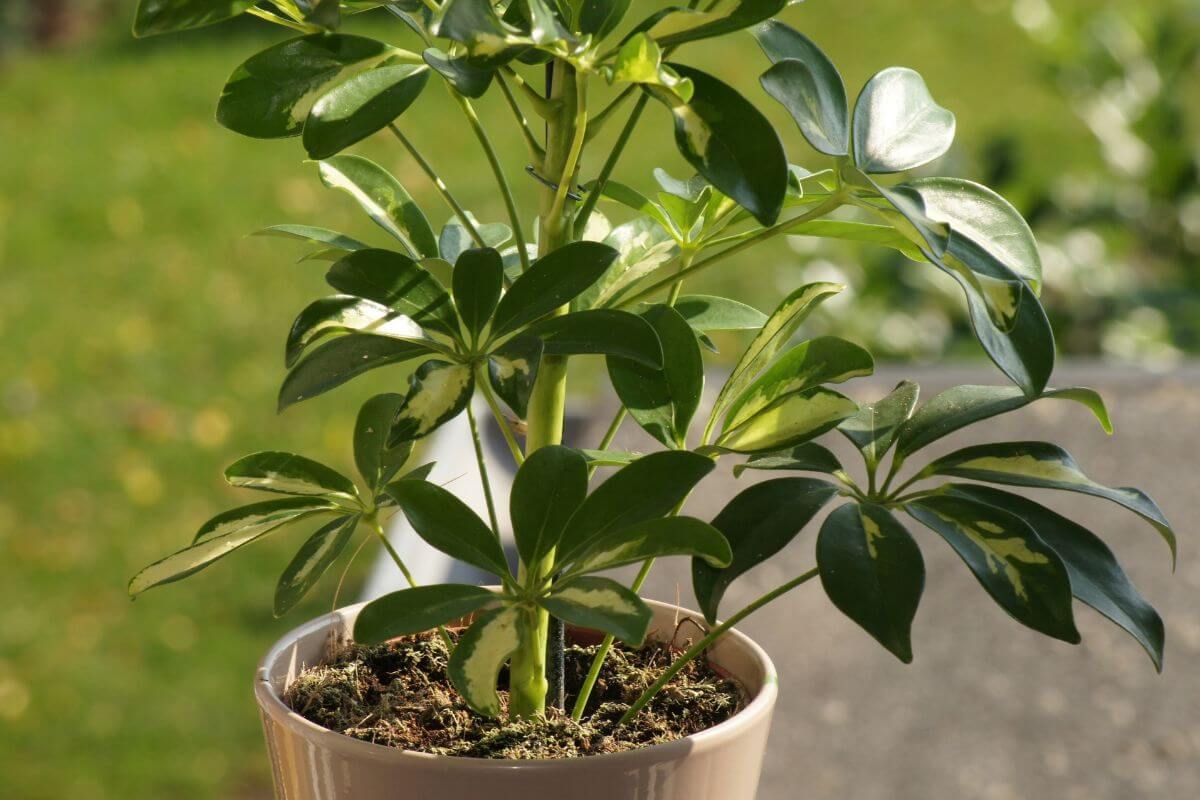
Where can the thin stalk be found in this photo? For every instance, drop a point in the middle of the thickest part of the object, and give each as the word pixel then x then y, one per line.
pixel 483 471
pixel 440 185
pixel 498 415
pixel 284 21
pixel 374 520
pixel 514 215
pixel 610 434
pixel 605 114
pixel 544 107
pixel 767 233
pixel 702 645
pixel 567 176
pixel 610 163
pixel 535 149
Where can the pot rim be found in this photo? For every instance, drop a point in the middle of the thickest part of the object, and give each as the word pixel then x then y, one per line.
pixel 272 704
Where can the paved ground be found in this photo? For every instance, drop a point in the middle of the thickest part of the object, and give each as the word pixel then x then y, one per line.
pixel 988 709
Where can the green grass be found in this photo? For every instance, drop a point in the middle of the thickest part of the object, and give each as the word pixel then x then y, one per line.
pixel 143 347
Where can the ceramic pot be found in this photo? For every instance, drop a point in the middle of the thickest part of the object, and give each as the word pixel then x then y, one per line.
pixel 313 763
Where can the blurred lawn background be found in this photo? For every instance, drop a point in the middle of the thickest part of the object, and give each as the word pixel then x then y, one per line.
pixel 144 331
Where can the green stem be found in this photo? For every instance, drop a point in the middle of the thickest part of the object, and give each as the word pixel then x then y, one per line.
pixel 545 108
pixel 535 149
pixel 498 414
pixel 378 528
pixel 483 472
pixel 702 645
pixel 609 435
pixel 606 171
pixel 510 204
pixel 440 185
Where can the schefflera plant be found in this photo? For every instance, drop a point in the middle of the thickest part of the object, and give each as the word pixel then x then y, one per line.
pixel 499 310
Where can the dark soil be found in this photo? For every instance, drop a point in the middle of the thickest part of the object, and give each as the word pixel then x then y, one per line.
pixel 397 694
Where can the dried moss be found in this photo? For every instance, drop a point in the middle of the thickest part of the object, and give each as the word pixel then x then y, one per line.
pixel 398 695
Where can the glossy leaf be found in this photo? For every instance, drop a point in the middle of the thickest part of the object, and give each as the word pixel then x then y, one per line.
pixel 897 125
pixel 346 314
pixel 656 538
pixel 477 279
pixel 873 572
pixel 550 283
pixel 342 359
pixel 728 141
pixel 165 16
pixel 398 282
pixel 1024 576
pixel 758 523
pixel 825 359
pixel 547 489
pixel 601 17
pixel 312 560
pixel 808 457
pixel 487 38
pixel 789 421
pixel 455 239
pixel 1096 577
pixel 512 371
pixel 601 604
pixel 875 426
pixel 960 406
pixel 647 489
pixel 288 473
pixel 270 95
pixel 808 85
pixel 601 331
pixel 1044 466
pixel 387 203
pixel 706 313
pixel 480 654
pixel 674 26
pixel 411 611
pixel 643 245
pixel 449 525
pixel 376 462
pixel 360 106
pixel 663 400
pixel 437 393
pixel 319 236
pixel 469 78
pixel 639 60
pixel 881 235
pixel 225 533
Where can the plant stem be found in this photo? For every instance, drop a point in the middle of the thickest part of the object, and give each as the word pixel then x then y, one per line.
pixel 498 415
pixel 440 185
pixel 378 528
pixel 284 21
pixel 609 435
pixel 514 215
pixel 610 163
pixel 483 472
pixel 535 149
pixel 702 645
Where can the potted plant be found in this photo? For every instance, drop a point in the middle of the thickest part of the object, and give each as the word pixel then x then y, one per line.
pixel 499 310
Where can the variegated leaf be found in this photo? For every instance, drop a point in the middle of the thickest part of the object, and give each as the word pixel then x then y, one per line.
pixel 874 427
pixel 165 16
pixel 376 462
pixel 386 202
pixel 480 654
pixel 342 359
pixel 438 392
pixel 808 85
pixel 656 538
pixel 794 419
pixel 601 604
pixel 417 610
pixel 398 282
pixel 288 473
pixel 707 313
pixel 643 245
pixel 512 371
pixel 312 560
pixel 360 106
pixel 673 26
pixel 455 239
pixel 332 240
pixel 344 314
pixel 808 457
pixel 640 61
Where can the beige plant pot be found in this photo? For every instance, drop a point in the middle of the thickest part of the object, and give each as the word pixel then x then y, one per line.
pixel 314 763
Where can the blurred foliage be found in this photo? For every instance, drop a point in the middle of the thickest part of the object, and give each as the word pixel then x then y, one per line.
pixel 146 333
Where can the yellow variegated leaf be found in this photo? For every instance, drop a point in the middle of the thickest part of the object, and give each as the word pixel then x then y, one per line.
pixel 794 419
pixel 602 604
pixel 439 391
pixel 640 61
pixel 480 654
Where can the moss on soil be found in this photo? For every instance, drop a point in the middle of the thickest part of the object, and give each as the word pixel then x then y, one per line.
pixel 398 695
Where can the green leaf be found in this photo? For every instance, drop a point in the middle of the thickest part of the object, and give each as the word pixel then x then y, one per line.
pixel 512 371
pixel 979 214
pixel 489 40
pixel 225 533
pixel 601 331
pixel 1024 576
pixel 728 141
pixel 663 400
pixel 477 279
pixel 437 393
pixel 639 60
pixel 825 359
pixel 547 489
pixel 469 78
pixel 882 235
pixel 1096 577
pixel 377 463
pixel 449 525
pixel 808 85
pixel 347 314
pixel 647 489
pixel 312 560
pixel 288 473
pixel 793 419
pixel 386 202
pixel 961 406
pixel 396 281
pixel 601 604
pixel 656 538
pixel 875 426
pixel 417 610
pixel 706 313
pixel 269 96
pixel 481 652
pixel 324 13
pixel 897 125
pixel 808 457
pixel 1044 466
pixel 455 239
pixel 778 329
pixel 165 16
pixel 342 359
pixel 610 458
pixel 357 108
pixel 632 198
pixel 313 235
pixel 673 26
pixel 758 523
pixel 873 572
pixel 550 283
pixel 601 17
pixel 643 245
pixel 907 215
